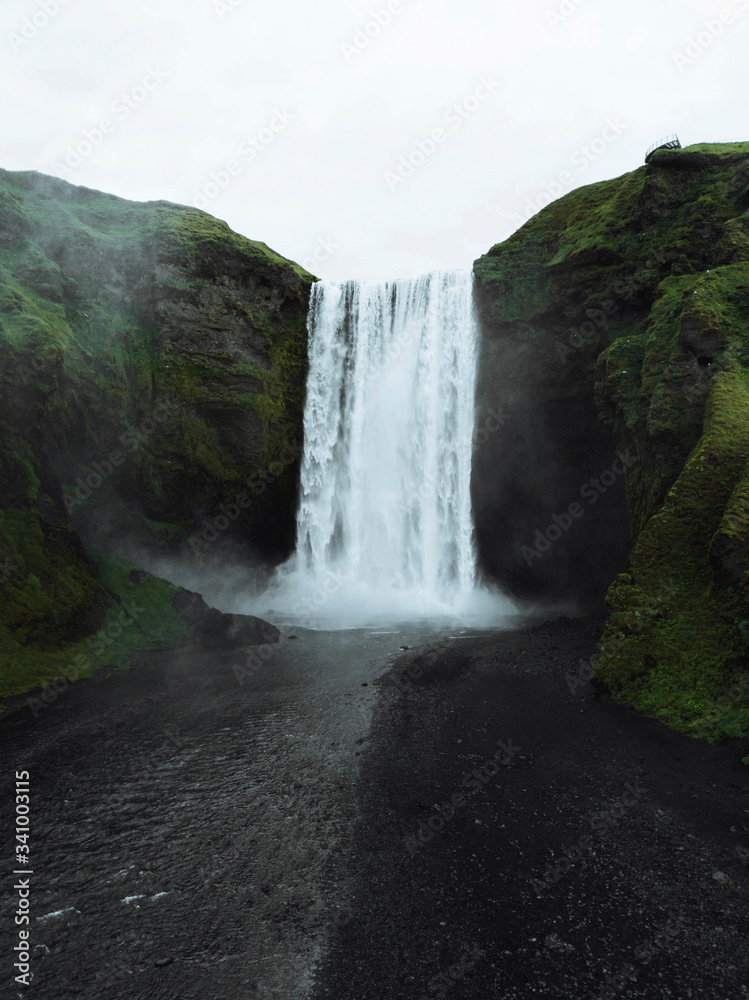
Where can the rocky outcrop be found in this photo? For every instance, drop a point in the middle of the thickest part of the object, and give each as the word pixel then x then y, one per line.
pixel 615 322
pixel 152 376
pixel 211 627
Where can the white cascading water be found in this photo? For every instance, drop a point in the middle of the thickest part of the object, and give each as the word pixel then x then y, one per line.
pixel 384 522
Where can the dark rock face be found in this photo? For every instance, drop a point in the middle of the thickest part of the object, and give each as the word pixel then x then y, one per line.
pixel 615 323
pixel 544 460
pixel 152 376
pixel 215 628
pixel 151 347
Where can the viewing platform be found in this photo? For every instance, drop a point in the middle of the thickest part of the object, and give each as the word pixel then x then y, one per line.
pixel 670 142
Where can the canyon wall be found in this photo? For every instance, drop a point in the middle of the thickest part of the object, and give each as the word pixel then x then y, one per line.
pixel 615 333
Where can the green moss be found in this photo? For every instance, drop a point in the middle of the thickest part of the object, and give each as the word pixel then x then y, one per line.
pixel 164 532
pixel 107 309
pixel 663 252
pixel 47 594
pixel 140 617
pixel 676 664
pixel 620 375
pixel 580 250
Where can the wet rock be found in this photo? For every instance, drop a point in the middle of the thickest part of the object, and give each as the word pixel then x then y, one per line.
pixel 729 558
pixel 215 628
pixel 554 942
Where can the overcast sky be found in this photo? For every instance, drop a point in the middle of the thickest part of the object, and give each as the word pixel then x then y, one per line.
pixel 388 137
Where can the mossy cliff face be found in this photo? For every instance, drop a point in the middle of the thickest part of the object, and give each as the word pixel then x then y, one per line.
pixel 152 370
pixel 622 311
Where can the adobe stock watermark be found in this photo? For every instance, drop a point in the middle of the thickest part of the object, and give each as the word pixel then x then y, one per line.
pixel 493 421
pixel 580 677
pixel 29 374
pixel 131 440
pixel 391 354
pixel 307 610
pixel 624 289
pixel 229 513
pixel 644 953
pixel 324 250
pixel 472 783
pixel 591 491
pixel 121 109
pixel 563 12
pixel 694 392
pixel 600 822
pixel 371 29
pixel 31 26
pixel 127 618
pixel 257 657
pixel 401 681
pixel 23 826
pixel 582 159
pixel 708 35
pixel 732 697
pixel 247 152
pixel 159 757
pixel 223 7
pixel 455 116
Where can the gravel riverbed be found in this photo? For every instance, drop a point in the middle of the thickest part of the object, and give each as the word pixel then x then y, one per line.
pixel 292 836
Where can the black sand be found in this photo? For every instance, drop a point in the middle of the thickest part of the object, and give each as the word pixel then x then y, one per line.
pixel 197 838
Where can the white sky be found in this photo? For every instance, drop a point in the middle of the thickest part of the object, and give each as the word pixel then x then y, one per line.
pixel 319 182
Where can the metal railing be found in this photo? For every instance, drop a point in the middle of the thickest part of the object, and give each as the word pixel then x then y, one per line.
pixel 669 142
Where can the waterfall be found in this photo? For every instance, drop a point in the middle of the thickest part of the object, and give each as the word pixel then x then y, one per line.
pixel 384 522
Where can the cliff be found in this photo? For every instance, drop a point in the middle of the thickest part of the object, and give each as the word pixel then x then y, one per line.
pixel 616 336
pixel 152 372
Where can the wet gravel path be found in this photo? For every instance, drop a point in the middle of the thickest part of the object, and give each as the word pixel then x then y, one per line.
pixel 194 837
pixel 186 830
pixel 598 855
